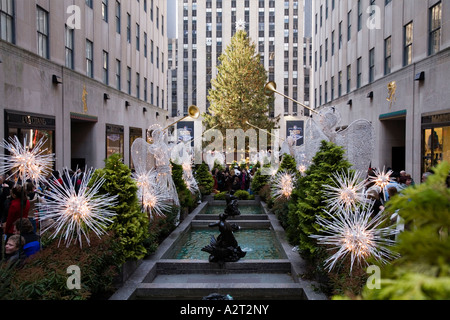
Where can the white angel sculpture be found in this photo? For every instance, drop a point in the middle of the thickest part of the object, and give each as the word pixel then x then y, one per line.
pixel 145 154
pixel 358 139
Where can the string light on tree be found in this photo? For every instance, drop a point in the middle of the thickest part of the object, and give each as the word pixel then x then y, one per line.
pixel 357 235
pixel 73 214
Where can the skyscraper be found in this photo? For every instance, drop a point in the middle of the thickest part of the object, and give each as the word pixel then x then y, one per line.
pixel 205 30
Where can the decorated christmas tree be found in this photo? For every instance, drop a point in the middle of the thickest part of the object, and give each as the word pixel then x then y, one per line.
pixel 238 95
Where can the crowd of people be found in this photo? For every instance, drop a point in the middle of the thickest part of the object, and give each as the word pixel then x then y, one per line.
pixel 19 214
pixel 232 179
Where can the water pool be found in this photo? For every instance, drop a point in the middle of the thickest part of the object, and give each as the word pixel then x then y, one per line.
pixel 245 210
pixel 260 244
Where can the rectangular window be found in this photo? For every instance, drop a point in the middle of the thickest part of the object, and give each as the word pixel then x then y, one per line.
pixel 387 55
pixel 105 10
pixel 371 65
pixel 408 42
pixel 105 67
pixel 435 28
pixel 349 25
pixel 114 140
pixel 118 17
pixel 129 80
pixel 138 85
pixel 42 32
pixel 349 78
pixel 340 84
pixel 89 59
pixel 358 73
pixel 118 74
pixel 7 20
pixel 69 47
pixel 128 28
pixel 138 37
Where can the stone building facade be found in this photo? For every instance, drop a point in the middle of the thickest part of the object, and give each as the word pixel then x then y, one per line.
pixel 90 75
pixel 387 62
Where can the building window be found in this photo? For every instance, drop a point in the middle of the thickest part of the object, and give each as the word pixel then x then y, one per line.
pixel 118 74
pixel 129 80
pixel 118 17
pixel 7 20
pixel 105 10
pixel 435 28
pixel 114 140
pixel 69 47
pixel 89 59
pixel 371 65
pixel 349 78
pixel 340 84
pixel 138 85
pixel 436 140
pixel 358 73
pixel 42 32
pixel 105 67
pixel 128 28
pixel 138 37
pixel 408 41
pixel 387 56
pixel 349 25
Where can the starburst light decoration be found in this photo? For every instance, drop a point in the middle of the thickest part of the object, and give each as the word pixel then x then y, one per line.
pixel 283 184
pixel 347 191
pixel 381 179
pixel 154 199
pixel 30 163
pixel 355 234
pixel 73 214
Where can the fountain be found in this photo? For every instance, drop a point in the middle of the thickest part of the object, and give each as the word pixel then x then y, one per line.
pixel 225 248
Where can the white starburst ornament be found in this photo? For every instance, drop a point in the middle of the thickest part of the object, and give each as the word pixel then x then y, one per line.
pixel 28 163
pixel 283 184
pixel 73 214
pixel 381 179
pixel 154 199
pixel 347 191
pixel 357 235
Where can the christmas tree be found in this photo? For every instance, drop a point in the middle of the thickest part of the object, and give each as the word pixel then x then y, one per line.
pixel 308 200
pixel 423 270
pixel 238 90
pixel 130 224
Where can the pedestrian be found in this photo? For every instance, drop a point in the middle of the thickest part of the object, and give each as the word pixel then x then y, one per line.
pixel 24 228
pixel 13 248
pixel 34 199
pixel 18 208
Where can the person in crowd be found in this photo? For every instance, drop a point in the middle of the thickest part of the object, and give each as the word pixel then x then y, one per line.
pixel 13 250
pixel 244 179
pixel 228 179
pixel 220 181
pixel 425 176
pixel 236 184
pixel 19 208
pixel 374 195
pixel 34 199
pixel 24 228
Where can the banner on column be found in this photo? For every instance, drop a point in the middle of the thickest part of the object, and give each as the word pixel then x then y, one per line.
pixel 295 129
